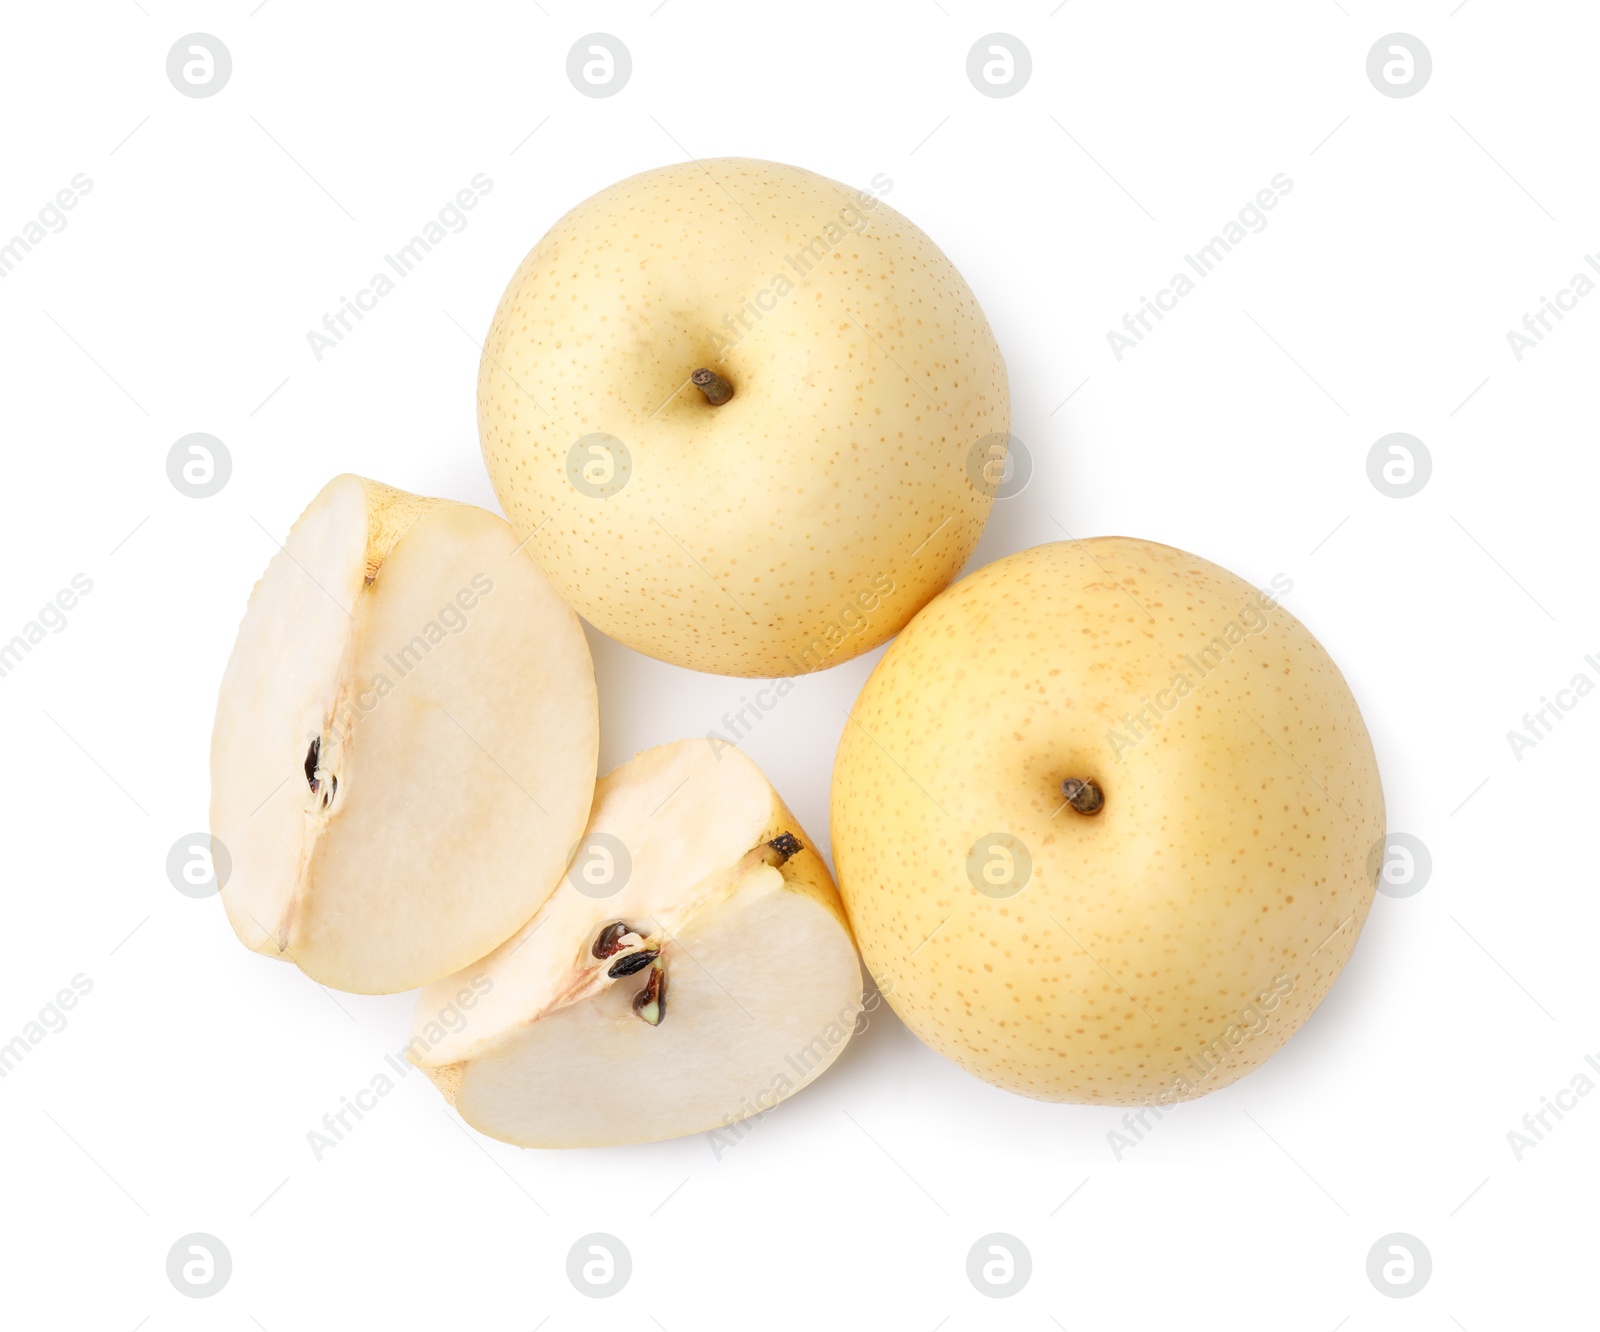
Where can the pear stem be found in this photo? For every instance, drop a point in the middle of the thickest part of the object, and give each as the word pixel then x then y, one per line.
pixel 1083 796
pixel 714 386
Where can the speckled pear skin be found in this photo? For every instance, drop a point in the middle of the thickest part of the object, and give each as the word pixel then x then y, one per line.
pixel 807 519
pixel 1166 946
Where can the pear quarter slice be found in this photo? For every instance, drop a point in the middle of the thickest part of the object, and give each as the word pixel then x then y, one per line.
pixel 691 856
pixel 405 744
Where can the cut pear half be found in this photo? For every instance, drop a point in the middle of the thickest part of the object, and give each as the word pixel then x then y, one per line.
pixel 693 967
pixel 406 741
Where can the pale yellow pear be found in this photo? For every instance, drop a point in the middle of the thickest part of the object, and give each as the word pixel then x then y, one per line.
pixel 834 473
pixel 1157 948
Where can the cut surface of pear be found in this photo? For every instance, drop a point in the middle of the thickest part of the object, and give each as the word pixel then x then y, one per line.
pixel 406 741
pixel 694 967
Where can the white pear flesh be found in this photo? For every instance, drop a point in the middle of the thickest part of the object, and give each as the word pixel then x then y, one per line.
pixel 450 697
pixel 536 1045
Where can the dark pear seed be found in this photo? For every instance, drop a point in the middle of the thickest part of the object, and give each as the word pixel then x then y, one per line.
pixel 651 1002
pixel 626 966
pixel 312 755
pixel 606 942
pixel 786 845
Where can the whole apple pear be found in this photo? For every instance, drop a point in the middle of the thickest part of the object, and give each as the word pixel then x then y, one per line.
pixel 1107 823
pixel 748 419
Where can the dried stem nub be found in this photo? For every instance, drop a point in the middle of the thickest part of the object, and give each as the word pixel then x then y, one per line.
pixel 1083 796
pixel 783 846
pixel 714 386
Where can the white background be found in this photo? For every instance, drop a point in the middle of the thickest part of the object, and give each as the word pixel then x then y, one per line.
pixel 219 230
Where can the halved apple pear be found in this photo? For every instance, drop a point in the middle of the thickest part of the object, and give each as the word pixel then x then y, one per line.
pixel 694 967
pixel 405 744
